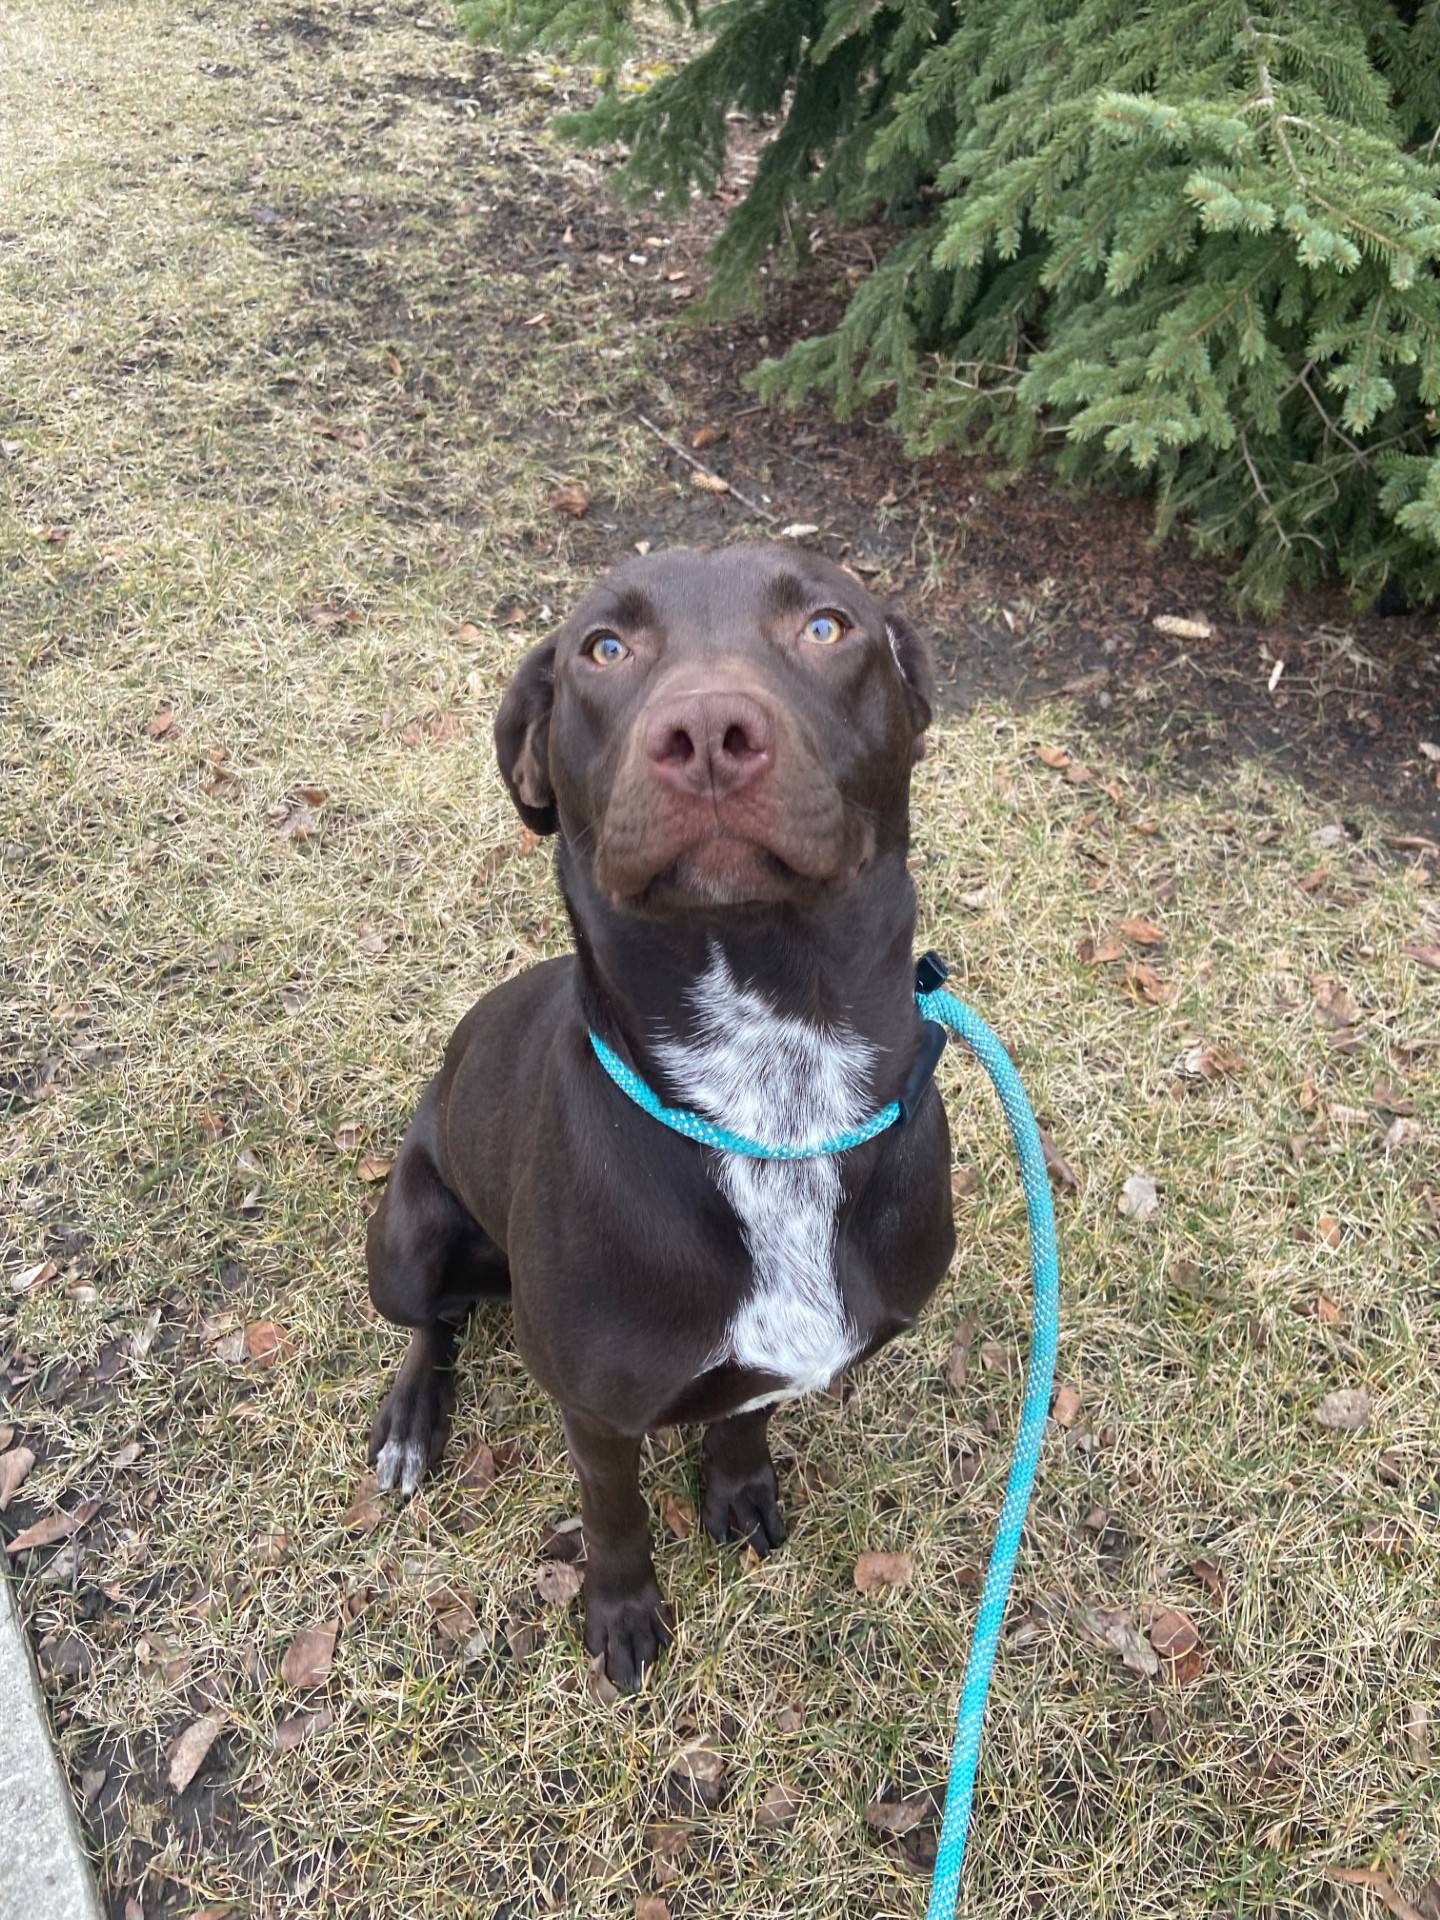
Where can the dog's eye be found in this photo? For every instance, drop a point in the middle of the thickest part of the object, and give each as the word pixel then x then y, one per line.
pixel 824 629
pixel 607 649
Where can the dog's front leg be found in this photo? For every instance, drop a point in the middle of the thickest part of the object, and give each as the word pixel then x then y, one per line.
pixel 742 1500
pixel 626 1618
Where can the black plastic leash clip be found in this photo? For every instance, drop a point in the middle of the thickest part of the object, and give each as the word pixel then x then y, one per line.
pixel 930 972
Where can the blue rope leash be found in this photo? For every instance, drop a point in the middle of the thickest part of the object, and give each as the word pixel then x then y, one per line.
pixel 949 1012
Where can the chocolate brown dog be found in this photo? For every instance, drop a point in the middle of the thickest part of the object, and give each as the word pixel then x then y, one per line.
pixel 723 744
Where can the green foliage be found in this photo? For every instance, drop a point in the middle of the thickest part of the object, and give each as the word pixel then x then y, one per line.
pixel 1192 245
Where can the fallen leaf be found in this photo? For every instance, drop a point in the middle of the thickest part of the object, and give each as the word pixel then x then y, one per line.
pixel 1210 1577
pixel 957 1363
pixel 1388 1536
pixel 1179 628
pixel 308 1657
pixel 1345 1410
pixel 557 1583
pixel 53 1528
pixel 7 1434
pixel 189 1750
pixel 650 1906
pixel 709 482
pixel 366 1510
pixel 267 1342
pixel 1329 1310
pixel 1101 952
pixel 572 500
pixel 678 1513
pixel 1143 932
pixel 697 1773
pixel 898 1816
pixel 1334 1006
pixel 1201 1062
pixel 1055 757
pixel 1426 952
pixel 1143 983
pixel 31 1277
pixel 1401 1133
pixel 963 1182
pixel 454 1610
pixel 798 530
pixel 369 940
pixel 161 723
pixel 1329 1229
pixel 478 1468
pixel 271 1548
pixel 1113 1630
pixel 779 1807
pixel 1139 1198
pixel 1056 1164
pixel 706 436
pixel 1417 1733
pixel 299 1727
pixel 348 1137
pixel 1381 1885
pixel 374 1167
pixel 963 1469
pixel 1066 1409
pixel 667 1846
pixel 876 1571
pixel 1173 1634
pixel 14 1466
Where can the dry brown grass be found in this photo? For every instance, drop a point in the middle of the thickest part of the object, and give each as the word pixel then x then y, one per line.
pixel 220 239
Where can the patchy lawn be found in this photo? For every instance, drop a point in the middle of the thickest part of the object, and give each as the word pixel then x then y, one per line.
pixel 306 321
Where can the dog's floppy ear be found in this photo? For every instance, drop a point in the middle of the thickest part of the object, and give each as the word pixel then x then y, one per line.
pixel 522 738
pixel 912 656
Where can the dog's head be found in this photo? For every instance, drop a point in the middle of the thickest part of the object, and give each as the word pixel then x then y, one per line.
pixel 719 729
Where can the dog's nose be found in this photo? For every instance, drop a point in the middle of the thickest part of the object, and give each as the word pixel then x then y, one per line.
pixel 707 745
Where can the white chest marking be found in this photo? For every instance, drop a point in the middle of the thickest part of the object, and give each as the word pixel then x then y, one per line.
pixel 773 1078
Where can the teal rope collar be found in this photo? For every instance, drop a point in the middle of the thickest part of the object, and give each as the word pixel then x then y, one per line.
pixel 941 1011
pixel 928 976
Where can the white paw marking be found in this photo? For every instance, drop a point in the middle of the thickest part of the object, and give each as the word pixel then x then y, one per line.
pixel 774 1078
pixel 400 1463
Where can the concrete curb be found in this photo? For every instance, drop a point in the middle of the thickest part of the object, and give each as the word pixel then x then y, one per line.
pixel 44 1871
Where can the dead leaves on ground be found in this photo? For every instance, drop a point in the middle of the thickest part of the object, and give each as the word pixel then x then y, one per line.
pixel 878 1572
pixel 1139 1198
pixel 1163 1643
pixel 309 1656
pixel 299 1727
pixel 14 1467
pixel 1140 980
pixel 1378 1882
pixel 268 1343
pixel 1345 1410
pixel 50 1530
pixel 573 501
pixel 188 1751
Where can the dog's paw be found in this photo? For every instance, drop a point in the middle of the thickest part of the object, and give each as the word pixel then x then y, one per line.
pixel 744 1508
pixel 408 1434
pixel 630 1630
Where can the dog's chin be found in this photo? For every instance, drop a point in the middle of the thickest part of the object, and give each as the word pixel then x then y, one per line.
pixel 727 872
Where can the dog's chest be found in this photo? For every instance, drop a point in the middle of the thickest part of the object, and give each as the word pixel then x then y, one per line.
pixel 773 1078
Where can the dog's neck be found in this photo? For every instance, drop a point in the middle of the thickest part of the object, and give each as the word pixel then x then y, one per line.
pixel 650 983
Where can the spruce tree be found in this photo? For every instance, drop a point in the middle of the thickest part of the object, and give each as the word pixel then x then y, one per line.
pixel 1192 245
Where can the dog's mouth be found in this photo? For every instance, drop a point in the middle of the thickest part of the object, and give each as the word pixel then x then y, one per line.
pixel 731 869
